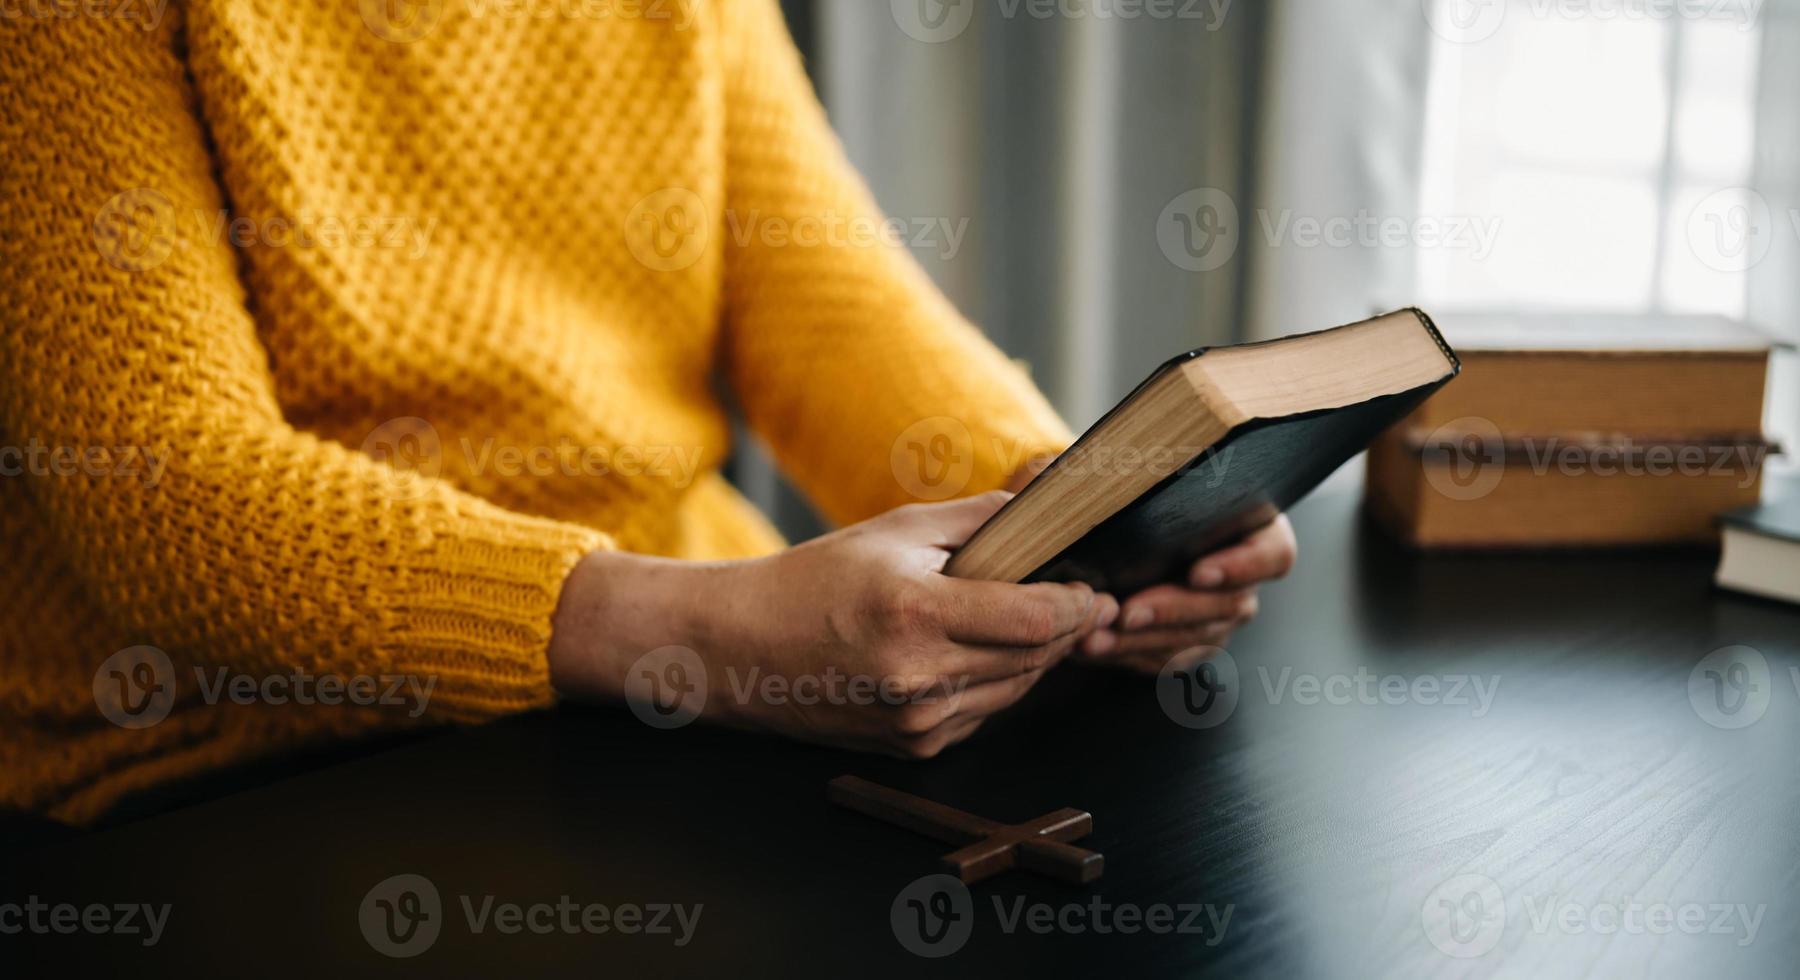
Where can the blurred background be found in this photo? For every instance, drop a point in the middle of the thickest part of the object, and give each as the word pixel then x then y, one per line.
pixel 1100 184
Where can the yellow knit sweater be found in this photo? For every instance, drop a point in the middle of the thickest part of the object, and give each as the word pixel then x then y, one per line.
pixel 335 333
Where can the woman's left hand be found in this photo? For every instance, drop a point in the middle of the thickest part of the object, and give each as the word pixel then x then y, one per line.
pixel 1219 596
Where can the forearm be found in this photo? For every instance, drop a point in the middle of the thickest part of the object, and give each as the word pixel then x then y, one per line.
pixel 868 384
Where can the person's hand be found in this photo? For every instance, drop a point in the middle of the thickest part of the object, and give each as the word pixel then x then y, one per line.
pixel 1219 596
pixel 893 656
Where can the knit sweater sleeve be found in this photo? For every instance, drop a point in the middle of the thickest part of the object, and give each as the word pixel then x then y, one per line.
pixel 194 514
pixel 869 386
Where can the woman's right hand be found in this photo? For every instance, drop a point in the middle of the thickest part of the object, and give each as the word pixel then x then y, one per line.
pixel 890 654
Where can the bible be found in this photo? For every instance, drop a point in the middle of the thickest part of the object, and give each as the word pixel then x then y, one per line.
pixel 1211 446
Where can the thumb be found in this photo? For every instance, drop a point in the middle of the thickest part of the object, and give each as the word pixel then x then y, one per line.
pixel 949 524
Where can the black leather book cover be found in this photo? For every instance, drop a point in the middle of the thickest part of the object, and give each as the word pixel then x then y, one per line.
pixel 1775 520
pixel 1258 470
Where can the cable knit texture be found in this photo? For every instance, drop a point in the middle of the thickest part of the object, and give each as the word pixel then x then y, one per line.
pixel 336 333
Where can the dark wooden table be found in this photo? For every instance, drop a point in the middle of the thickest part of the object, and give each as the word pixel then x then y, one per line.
pixel 1590 818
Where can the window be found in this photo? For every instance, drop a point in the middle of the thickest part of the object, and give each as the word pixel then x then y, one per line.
pixel 1613 142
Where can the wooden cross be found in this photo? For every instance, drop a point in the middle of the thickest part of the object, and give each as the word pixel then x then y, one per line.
pixel 1039 845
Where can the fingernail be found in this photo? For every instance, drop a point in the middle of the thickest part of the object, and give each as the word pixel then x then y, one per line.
pixel 1102 642
pixel 1109 611
pixel 1138 618
pixel 1209 576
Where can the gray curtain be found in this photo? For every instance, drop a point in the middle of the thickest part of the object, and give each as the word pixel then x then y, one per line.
pixel 1063 140
pixel 1084 154
pixel 1774 285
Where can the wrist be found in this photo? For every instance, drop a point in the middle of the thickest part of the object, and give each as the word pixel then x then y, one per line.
pixel 615 607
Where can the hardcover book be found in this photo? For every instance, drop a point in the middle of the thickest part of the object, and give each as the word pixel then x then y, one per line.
pixel 1212 445
pixel 1761 550
pixel 1579 431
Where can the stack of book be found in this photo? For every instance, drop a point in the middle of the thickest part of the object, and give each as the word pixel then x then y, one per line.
pixel 1760 551
pixel 1579 431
